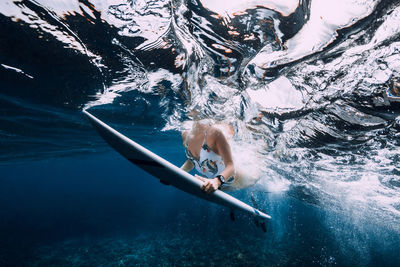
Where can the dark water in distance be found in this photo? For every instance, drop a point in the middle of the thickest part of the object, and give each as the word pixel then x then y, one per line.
pixel 312 84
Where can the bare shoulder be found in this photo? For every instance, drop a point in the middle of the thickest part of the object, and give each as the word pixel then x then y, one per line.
pixel 222 130
pixel 215 131
pixel 215 134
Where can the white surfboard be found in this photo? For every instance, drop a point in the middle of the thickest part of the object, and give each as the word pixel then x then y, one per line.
pixel 164 170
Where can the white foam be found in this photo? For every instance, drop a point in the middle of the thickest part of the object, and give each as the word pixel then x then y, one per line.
pixel 326 17
pixel 279 94
pixel 230 7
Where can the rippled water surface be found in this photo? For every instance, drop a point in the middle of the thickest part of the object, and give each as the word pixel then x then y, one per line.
pixel 313 85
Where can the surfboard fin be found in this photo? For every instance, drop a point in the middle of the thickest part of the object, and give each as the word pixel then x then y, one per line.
pixel 260 223
pixel 256 222
pixel 164 182
pixel 263 227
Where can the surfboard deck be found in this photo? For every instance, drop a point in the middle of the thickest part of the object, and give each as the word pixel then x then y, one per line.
pixel 166 171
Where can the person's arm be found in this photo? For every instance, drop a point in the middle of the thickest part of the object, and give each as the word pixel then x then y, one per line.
pixel 220 146
pixel 224 150
pixel 187 166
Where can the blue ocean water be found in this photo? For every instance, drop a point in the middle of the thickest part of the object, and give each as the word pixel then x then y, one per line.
pixel 311 85
pixel 102 210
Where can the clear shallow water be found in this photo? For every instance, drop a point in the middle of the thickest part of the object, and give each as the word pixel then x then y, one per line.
pixel 317 72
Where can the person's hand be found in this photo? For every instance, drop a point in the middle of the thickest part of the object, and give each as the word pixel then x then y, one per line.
pixel 200 178
pixel 209 185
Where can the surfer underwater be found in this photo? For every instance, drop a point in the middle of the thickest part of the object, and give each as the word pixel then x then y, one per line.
pixel 207 148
